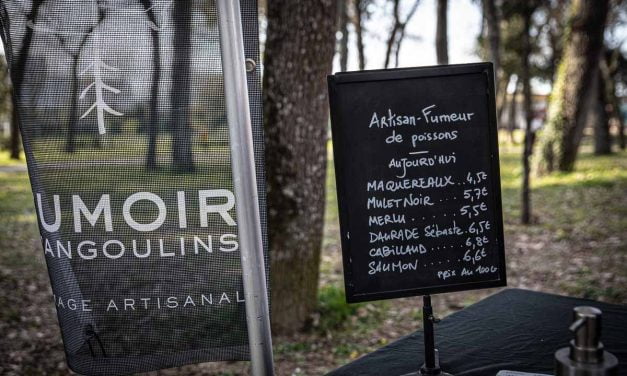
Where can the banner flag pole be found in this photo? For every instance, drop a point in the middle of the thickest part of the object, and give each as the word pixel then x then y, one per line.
pixel 245 183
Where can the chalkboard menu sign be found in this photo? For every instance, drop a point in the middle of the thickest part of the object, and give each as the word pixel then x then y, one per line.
pixel 417 170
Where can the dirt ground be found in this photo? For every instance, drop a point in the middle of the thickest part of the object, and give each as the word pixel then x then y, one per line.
pixel 576 246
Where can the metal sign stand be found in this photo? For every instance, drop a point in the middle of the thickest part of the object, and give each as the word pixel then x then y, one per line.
pixel 432 359
pixel 245 183
pixel 431 367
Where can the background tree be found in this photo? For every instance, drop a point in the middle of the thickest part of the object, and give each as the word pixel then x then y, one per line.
pixel 361 15
pixel 493 34
pixel 18 74
pixel 397 32
pixel 513 108
pixel 528 8
pixel 556 13
pixel 298 56
pixel 75 55
pixel 598 116
pixel 511 28
pixel 499 42
pixel 520 54
pixel 615 75
pixel 613 68
pixel 14 147
pixel 6 92
pixel 343 21
pixel 563 131
pixel 182 157
pixel 153 121
pixel 441 38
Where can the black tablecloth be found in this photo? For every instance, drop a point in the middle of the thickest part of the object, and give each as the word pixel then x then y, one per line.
pixel 514 329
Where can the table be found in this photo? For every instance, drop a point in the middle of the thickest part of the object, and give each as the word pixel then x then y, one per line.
pixel 514 329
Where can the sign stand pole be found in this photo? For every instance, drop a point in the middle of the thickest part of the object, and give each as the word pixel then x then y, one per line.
pixel 245 183
pixel 432 359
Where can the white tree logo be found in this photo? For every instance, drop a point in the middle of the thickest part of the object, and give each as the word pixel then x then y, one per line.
pixel 97 67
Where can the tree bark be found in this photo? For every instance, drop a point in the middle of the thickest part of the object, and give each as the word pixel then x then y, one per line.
pixel 343 28
pixel 298 56
pixel 502 97
pixel 513 113
pixel 608 67
pixel 397 46
pixel 598 117
pixel 15 134
pixel 19 68
pixel 182 157
pixel 392 37
pixel 528 143
pixel 494 37
pixel 441 38
pixel 397 34
pixel 70 142
pixel 555 36
pixel 400 35
pixel 17 76
pixel 563 131
pixel 359 31
pixel 153 121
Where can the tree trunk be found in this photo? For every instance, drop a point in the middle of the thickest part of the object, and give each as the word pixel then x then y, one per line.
pixel 622 137
pixel 555 35
pixel 608 68
pixel 15 133
pixel 513 113
pixel 70 142
pixel 563 131
pixel 502 98
pixel 528 143
pixel 296 118
pixel 441 38
pixel 153 121
pixel 343 28
pixel 359 31
pixel 494 37
pixel 397 45
pixel 182 157
pixel 555 57
pixel 392 37
pixel 397 34
pixel 598 117
pixel 19 68
pixel 17 76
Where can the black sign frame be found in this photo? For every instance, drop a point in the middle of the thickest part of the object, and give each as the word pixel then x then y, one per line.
pixel 335 83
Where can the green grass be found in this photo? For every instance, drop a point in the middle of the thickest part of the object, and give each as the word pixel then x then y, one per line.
pixel 579 214
pixel 129 146
pixel 582 207
pixel 67 174
pixel 18 225
pixel 6 160
pixel 590 199
pixel 333 309
pixel 582 210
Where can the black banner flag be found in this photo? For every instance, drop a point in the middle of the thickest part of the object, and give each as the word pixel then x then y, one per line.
pixel 121 109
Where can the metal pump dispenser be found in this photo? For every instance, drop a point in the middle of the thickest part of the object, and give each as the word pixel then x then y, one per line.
pixel 585 356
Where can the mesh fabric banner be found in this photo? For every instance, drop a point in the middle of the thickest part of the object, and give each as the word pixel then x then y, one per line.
pixel 123 121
